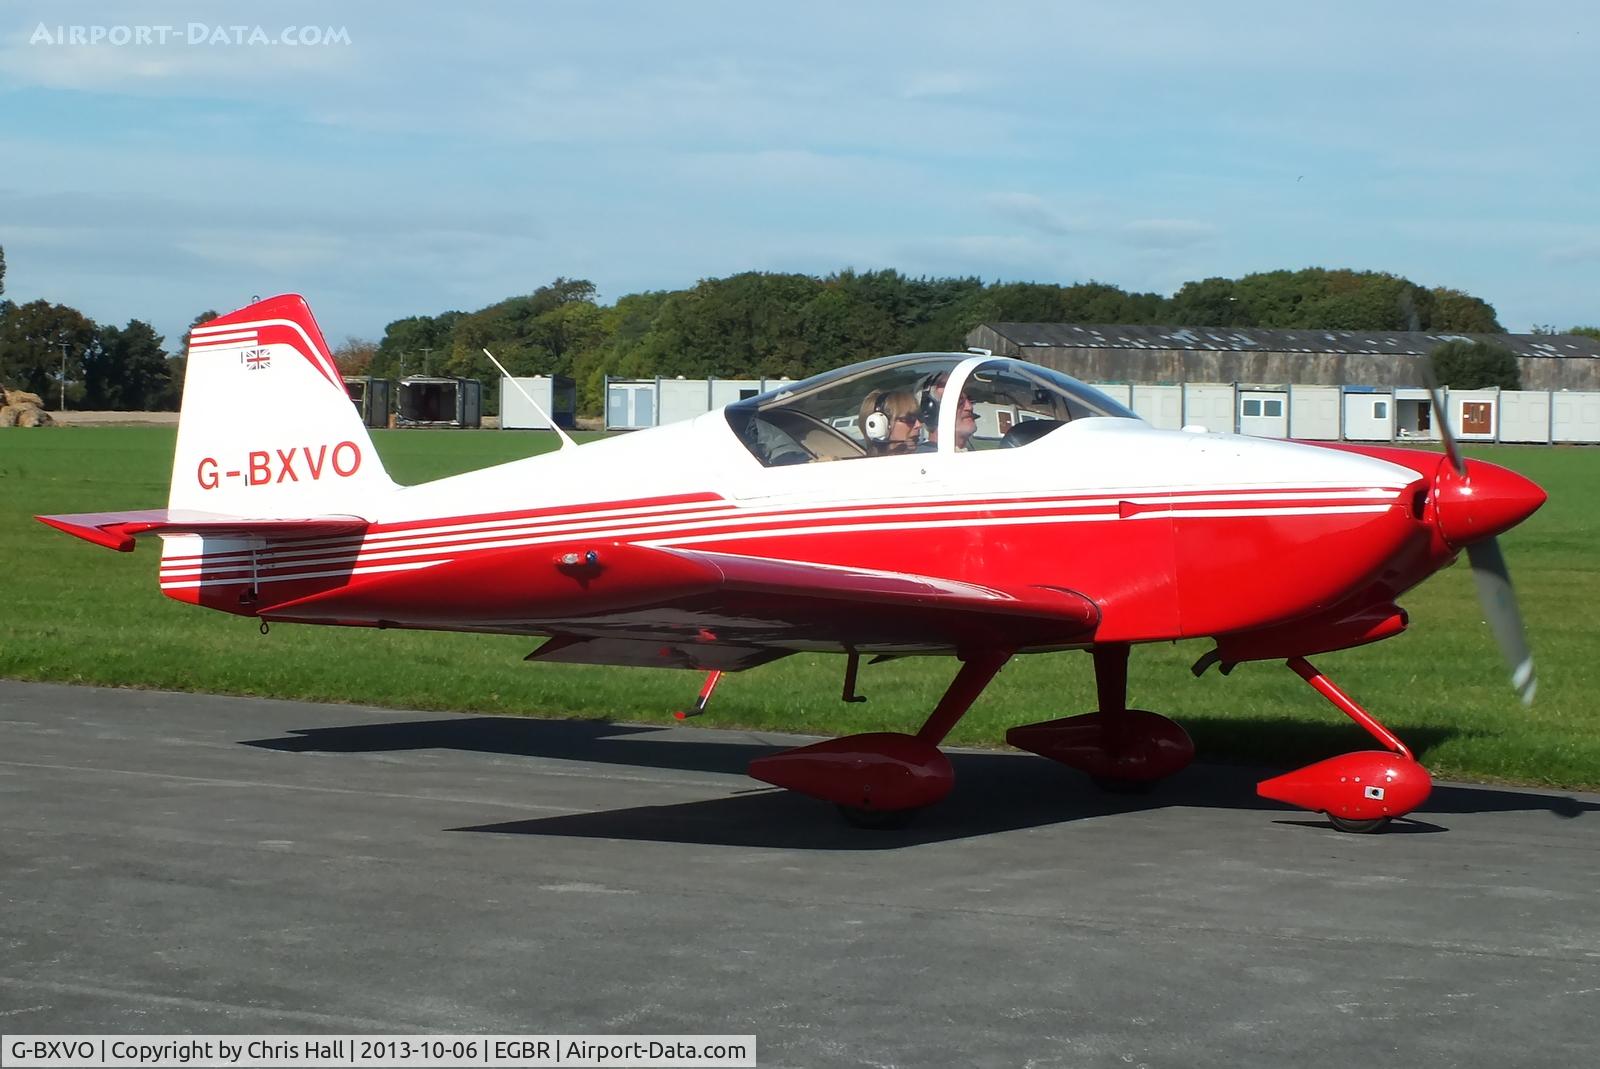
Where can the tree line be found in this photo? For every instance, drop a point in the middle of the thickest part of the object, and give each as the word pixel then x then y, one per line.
pixel 749 325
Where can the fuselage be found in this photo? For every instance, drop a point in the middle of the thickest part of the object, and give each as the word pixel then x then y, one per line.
pixel 1174 534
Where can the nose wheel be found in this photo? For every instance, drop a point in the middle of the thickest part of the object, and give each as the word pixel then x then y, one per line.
pixel 1359 792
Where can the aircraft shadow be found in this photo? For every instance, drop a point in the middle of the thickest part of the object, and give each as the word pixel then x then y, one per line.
pixel 995 792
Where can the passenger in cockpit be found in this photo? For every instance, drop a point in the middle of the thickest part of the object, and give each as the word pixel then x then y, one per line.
pixel 890 422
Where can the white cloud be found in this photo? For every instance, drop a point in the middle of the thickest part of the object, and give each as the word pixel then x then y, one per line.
pixel 1033 212
pixel 1168 233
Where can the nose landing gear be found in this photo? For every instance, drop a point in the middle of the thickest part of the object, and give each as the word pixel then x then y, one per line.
pixel 1358 792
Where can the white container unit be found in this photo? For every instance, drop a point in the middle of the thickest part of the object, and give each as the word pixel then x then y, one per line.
pixel 1414 415
pixel 1369 415
pixel 1575 417
pixel 1159 406
pixel 728 391
pixel 1263 412
pixel 1209 405
pixel 556 396
pixel 1314 413
pixel 681 399
pixel 630 404
pixel 1524 416
pixel 1474 414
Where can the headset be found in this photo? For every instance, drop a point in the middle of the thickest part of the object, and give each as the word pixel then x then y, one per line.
pixel 928 408
pixel 878 422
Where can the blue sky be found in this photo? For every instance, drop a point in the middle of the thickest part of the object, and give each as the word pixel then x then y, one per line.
pixel 451 155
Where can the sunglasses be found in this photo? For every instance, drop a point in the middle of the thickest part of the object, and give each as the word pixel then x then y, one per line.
pixel 910 420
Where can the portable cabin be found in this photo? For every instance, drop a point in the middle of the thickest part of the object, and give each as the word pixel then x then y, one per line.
pixel 1159 406
pixel 1414 414
pixel 1314 413
pixel 557 395
pixel 1264 411
pixel 728 391
pixel 1524 416
pixel 682 398
pixel 1474 414
pixel 630 404
pixel 1209 405
pixel 430 401
pixel 1369 414
pixel 1575 417
pixel 371 397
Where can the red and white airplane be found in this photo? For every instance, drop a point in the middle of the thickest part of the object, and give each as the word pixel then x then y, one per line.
pixel 807 519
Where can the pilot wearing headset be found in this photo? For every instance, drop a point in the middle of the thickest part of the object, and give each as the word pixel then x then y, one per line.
pixel 890 422
pixel 931 395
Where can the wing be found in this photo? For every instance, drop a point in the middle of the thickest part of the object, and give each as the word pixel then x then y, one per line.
pixel 752 610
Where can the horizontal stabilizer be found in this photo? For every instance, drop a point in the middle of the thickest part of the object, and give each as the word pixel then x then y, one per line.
pixel 117 530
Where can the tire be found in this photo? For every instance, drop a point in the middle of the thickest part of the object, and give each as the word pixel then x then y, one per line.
pixel 1358 827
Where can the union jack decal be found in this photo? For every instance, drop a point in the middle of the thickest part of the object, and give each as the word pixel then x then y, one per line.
pixel 255 359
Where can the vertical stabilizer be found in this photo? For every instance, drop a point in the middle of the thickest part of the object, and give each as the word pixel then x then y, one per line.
pixel 267 428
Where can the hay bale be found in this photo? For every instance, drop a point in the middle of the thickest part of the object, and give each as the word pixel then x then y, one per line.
pixel 34 417
pixel 21 398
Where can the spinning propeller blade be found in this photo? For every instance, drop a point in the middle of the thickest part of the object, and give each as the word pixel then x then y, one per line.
pixel 1500 609
pixel 1489 571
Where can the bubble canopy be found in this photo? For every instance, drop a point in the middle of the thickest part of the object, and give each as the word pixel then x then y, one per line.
pixel 1004 403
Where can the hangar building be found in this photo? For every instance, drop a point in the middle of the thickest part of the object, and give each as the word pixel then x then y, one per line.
pixel 1174 355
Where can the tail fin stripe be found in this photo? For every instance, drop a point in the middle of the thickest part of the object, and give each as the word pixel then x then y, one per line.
pixel 270 330
pixel 212 337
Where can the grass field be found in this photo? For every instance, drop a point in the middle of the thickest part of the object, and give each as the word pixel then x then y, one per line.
pixel 76 613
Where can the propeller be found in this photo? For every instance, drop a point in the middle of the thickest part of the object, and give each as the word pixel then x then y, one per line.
pixel 1489 571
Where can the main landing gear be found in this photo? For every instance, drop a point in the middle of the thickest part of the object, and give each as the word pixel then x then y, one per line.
pixel 879 779
pixel 1357 792
pixel 1123 750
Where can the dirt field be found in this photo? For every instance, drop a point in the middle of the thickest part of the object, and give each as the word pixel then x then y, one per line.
pixel 112 419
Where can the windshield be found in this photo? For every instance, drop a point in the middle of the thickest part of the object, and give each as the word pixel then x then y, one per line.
pixel 1014 404
pixel 892 405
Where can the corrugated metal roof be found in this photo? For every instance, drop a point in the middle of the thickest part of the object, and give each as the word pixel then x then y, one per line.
pixel 1246 339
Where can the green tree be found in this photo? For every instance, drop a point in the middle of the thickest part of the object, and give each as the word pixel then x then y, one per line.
pixel 409 343
pixel 1456 311
pixel 537 334
pixel 1211 302
pixel 1476 365
pixel 744 326
pixel 38 340
pixel 1587 332
pixel 128 370
pixel 616 349
pixel 354 357
pixel 1316 298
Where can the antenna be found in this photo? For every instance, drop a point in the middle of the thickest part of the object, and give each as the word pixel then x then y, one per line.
pixel 565 441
